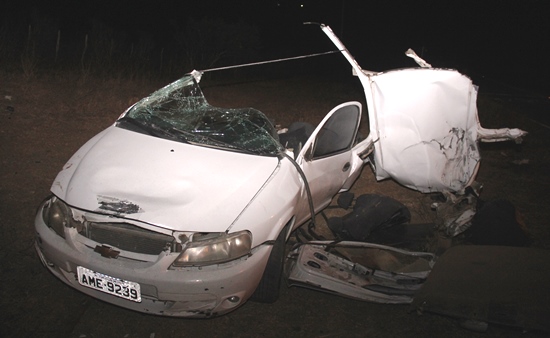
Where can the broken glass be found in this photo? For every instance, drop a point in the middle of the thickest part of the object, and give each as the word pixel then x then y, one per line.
pixel 180 112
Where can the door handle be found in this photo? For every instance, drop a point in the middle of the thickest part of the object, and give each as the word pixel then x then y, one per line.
pixel 346 166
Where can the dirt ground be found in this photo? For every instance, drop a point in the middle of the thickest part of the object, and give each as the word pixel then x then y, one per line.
pixel 45 119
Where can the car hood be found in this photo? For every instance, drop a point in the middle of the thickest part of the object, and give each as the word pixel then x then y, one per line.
pixel 173 185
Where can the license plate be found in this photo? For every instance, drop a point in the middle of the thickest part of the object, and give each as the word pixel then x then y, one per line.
pixel 104 283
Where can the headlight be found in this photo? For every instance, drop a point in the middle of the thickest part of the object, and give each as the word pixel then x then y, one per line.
pixel 214 248
pixel 57 215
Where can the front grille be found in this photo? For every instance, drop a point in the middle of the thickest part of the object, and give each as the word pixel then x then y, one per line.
pixel 129 237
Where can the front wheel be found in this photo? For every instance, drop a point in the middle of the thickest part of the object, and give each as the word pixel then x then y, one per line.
pixel 268 288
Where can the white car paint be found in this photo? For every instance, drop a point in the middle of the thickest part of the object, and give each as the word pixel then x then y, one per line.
pixel 169 181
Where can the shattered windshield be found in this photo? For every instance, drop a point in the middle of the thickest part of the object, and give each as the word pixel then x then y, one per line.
pixel 180 112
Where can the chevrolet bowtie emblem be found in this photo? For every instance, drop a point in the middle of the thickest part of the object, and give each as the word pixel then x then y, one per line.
pixel 106 251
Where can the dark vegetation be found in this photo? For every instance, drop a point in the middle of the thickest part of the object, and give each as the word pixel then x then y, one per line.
pixel 104 53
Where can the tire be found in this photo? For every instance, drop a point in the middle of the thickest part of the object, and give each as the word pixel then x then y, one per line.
pixel 268 288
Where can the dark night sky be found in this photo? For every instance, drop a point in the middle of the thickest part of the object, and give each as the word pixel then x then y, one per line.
pixel 505 40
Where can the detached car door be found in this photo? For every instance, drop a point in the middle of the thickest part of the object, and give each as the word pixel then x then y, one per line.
pixel 329 158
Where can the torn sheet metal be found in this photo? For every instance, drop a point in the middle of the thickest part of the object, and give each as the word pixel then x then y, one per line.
pixel 424 124
pixel 363 271
pixel 424 120
pixel 410 53
pixel 455 214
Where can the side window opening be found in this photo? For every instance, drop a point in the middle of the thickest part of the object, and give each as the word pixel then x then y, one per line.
pixel 338 133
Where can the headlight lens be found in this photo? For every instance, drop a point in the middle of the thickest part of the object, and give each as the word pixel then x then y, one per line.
pixel 57 215
pixel 214 248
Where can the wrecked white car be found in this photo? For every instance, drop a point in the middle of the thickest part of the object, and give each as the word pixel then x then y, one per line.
pixel 183 209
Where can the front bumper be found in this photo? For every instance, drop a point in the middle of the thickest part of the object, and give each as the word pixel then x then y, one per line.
pixel 190 292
